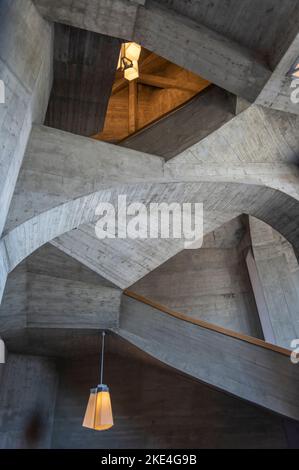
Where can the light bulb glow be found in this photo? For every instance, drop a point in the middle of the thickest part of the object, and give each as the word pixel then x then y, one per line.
pixel 132 73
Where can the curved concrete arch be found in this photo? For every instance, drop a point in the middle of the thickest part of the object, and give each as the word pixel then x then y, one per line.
pixel 63 173
pixel 277 209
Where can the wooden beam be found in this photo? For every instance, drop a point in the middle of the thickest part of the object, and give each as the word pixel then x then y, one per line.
pixel 133 110
pixel 119 85
pixel 148 59
pixel 166 82
pixel 152 63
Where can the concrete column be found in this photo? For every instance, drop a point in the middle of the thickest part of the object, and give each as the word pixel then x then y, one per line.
pixel 26 42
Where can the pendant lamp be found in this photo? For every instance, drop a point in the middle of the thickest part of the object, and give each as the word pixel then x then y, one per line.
pixel 98 415
pixel 128 60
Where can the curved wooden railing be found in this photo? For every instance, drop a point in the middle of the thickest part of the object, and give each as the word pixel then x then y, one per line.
pixel 207 325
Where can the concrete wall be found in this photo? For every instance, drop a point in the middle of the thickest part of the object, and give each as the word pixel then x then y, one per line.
pixel 210 284
pixel 27 399
pixel 26 69
pixel 155 407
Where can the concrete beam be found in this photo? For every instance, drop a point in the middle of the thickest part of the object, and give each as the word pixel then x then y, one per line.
pixel 111 17
pixel 201 50
pixel 258 145
pixel 61 166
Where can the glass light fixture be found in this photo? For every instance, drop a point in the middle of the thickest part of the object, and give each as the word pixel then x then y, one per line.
pixel 294 71
pixel 128 60
pixel 98 415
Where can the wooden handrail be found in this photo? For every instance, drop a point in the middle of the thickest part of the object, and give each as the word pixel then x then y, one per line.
pixel 206 325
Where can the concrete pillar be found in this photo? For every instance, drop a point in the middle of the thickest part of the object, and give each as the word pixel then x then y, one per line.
pixel 26 73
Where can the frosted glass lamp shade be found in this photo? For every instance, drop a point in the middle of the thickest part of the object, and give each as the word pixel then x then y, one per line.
pixel 128 60
pixel 132 51
pixel 98 413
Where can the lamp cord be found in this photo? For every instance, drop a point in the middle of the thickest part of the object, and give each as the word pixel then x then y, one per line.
pixel 102 358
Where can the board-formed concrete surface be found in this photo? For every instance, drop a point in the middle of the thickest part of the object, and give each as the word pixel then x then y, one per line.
pixel 26 41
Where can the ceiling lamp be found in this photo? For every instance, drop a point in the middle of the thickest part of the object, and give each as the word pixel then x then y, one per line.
pixel 294 71
pixel 128 60
pixel 98 415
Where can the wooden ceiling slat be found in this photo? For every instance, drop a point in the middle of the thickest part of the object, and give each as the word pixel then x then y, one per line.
pixel 168 82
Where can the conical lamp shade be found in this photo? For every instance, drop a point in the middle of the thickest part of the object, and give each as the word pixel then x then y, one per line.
pixel 98 413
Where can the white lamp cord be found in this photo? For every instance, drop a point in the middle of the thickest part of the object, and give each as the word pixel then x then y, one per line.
pixel 102 358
